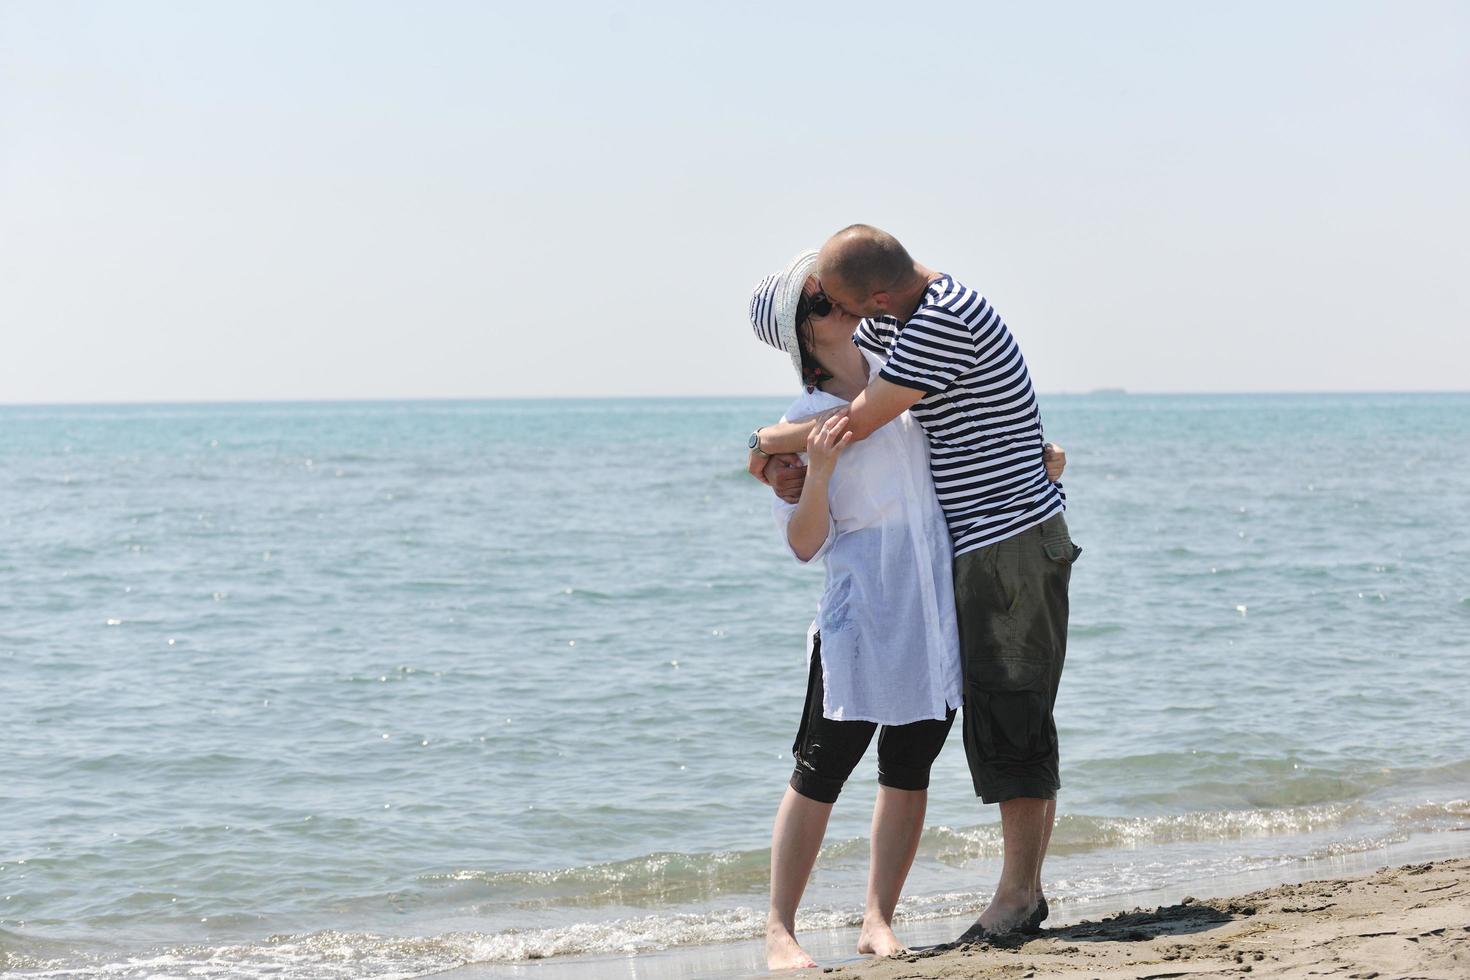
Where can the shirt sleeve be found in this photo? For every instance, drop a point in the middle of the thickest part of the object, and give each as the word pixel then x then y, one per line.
pixel 783 512
pixel 932 350
pixel 870 336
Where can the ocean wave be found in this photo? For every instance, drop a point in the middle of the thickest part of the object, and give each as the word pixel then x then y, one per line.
pixel 642 592
pixel 1081 834
pixel 319 955
pixel 333 953
pixel 658 878
pixel 1093 630
pixel 672 878
pixel 339 954
pixel 1222 780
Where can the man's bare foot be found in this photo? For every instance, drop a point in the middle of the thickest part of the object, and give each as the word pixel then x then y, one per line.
pixel 1006 913
pixel 783 952
pixel 1032 926
pixel 878 939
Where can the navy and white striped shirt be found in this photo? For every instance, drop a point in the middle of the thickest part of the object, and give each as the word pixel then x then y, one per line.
pixel 978 410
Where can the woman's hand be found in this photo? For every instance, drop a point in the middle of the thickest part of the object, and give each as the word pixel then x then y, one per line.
pixel 1054 457
pixel 825 443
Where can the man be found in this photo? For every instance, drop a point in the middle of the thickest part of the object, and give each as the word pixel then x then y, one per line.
pixel 952 362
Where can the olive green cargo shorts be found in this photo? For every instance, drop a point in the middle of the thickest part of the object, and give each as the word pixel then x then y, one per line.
pixel 1011 599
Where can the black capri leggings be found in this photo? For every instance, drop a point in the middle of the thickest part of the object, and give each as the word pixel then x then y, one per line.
pixel 827 751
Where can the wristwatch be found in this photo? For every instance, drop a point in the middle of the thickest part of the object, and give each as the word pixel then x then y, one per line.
pixel 755 445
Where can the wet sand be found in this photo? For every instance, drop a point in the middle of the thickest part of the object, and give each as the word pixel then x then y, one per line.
pixel 1409 921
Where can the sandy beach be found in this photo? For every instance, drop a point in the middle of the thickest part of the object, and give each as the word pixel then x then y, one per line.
pixel 1408 921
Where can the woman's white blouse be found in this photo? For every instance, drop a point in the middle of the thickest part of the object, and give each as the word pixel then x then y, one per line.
pixel 890 645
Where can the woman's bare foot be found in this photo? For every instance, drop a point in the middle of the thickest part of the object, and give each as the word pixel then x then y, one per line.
pixel 877 938
pixel 783 952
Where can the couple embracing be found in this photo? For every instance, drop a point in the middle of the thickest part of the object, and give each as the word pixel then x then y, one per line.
pixel 930 495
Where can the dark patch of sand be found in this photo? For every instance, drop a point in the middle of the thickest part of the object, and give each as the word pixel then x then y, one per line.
pixel 1411 921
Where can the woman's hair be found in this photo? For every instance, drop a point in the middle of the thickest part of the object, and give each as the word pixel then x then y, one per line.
pixel 812 372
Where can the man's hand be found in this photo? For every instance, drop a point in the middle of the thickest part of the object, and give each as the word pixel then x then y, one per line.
pixel 1055 459
pixel 785 473
pixel 755 465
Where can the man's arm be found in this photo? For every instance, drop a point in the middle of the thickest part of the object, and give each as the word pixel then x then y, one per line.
pixel 877 405
pixel 788 437
pixel 874 407
pixel 785 473
pixel 758 461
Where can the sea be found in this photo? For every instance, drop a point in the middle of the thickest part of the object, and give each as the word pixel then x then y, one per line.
pixel 508 688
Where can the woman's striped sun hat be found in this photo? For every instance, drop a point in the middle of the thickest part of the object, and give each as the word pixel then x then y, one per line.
pixel 773 306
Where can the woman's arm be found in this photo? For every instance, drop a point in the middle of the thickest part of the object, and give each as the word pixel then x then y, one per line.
pixel 810 524
pixel 812 521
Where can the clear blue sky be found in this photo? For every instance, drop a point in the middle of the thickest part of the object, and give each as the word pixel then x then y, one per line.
pixel 359 200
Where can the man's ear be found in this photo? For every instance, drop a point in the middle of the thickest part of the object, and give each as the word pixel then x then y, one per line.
pixel 881 300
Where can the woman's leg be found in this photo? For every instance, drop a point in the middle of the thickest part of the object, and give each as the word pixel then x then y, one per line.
pixel 906 753
pixel 898 822
pixel 801 823
pixel 825 753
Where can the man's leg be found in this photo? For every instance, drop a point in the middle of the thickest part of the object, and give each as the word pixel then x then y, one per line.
pixel 1049 823
pixel 1023 822
pixel 1011 600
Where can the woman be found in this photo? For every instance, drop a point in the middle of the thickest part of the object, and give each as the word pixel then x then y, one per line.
pixel 884 649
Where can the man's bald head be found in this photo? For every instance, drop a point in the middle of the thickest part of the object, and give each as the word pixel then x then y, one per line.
pixel 865 260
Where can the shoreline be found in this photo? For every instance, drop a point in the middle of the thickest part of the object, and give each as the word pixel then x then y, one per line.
pixel 834 948
pixel 1409 920
pixel 1312 904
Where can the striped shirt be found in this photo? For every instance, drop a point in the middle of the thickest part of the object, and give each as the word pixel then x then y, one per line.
pixel 978 410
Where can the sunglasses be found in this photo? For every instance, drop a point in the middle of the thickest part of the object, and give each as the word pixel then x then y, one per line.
pixel 816 305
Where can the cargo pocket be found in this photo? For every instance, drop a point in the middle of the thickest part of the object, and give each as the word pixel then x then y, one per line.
pixel 1062 550
pixel 1006 711
pixel 1057 542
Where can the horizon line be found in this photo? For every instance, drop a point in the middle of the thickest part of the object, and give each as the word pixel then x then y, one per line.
pixel 1095 393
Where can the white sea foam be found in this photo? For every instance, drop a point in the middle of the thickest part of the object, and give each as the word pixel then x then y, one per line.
pixel 1285 839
